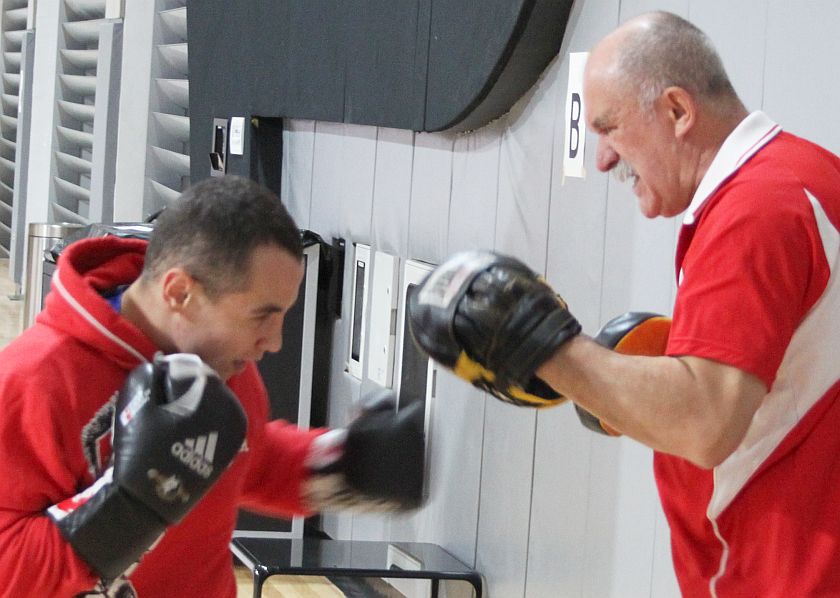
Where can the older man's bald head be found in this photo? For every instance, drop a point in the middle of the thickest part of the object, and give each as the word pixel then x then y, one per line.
pixel 657 50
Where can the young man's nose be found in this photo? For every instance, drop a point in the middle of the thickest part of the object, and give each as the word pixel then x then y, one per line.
pixel 272 339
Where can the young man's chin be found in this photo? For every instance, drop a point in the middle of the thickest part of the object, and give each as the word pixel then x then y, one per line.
pixel 237 367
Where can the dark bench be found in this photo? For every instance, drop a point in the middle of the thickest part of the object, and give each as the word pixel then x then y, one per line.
pixel 344 558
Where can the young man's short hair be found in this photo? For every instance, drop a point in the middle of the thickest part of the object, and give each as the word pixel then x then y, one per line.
pixel 212 229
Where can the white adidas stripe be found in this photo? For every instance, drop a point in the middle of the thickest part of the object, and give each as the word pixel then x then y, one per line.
pixel 203 445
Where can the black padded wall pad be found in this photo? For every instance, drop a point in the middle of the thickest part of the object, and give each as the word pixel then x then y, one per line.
pixel 424 65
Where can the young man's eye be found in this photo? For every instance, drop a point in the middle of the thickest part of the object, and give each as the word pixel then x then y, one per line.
pixel 264 317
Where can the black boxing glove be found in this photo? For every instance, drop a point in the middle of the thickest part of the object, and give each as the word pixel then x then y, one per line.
pixel 632 333
pixel 493 321
pixel 176 429
pixel 375 464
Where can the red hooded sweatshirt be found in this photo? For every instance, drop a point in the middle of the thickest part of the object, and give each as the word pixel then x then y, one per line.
pixel 56 383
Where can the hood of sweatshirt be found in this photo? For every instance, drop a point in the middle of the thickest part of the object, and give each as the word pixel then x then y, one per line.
pixel 86 270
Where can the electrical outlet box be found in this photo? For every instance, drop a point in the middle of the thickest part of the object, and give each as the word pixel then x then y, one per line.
pixel 218 149
pixel 358 310
pixel 410 588
pixel 400 559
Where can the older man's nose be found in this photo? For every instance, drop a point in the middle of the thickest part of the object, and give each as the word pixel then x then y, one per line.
pixel 606 156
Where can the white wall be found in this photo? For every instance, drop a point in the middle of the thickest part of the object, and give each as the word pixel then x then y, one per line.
pixel 540 506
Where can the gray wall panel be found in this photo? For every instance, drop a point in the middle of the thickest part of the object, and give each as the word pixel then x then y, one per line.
pixel 355 176
pixel 509 432
pixel 803 55
pixel 451 517
pixel 344 390
pixel 663 580
pixel 560 532
pixel 631 8
pixel 475 188
pixel 635 529
pixel 638 263
pixel 457 431
pixel 744 62
pixel 639 257
pixel 327 193
pixel 525 174
pixel 431 185
pixel 298 149
pixel 601 517
pixel 392 190
pixel 505 500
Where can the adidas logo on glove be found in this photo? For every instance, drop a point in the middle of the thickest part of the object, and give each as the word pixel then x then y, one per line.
pixel 197 453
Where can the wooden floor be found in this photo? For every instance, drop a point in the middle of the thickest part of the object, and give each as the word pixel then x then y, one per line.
pixel 11 323
pixel 288 586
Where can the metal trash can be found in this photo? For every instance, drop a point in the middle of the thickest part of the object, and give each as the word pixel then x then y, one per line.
pixel 41 236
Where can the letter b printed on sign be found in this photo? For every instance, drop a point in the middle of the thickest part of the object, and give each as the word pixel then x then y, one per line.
pixel 574 126
pixel 575 137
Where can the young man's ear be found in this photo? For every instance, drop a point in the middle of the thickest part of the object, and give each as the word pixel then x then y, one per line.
pixel 178 288
pixel 681 109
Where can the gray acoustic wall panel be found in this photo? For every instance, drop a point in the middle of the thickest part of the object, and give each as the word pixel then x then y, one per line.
pixel 17 249
pixel 798 85
pixel 16 52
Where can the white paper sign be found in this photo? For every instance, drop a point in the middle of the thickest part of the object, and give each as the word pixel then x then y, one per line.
pixel 237 135
pixel 575 137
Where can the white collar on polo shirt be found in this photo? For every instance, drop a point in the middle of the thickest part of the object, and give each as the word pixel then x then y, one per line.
pixel 749 136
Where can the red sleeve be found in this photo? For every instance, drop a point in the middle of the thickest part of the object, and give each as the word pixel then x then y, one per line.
pixel 36 472
pixel 277 452
pixel 754 268
pixel 277 470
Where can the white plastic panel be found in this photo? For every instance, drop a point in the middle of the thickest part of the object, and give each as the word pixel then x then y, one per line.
pixel 383 318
